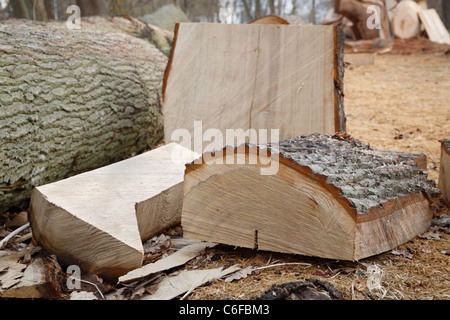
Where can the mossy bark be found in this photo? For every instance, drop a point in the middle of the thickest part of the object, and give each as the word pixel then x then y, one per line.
pixel 72 101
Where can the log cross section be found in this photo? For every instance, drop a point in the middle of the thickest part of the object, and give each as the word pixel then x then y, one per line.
pixel 331 196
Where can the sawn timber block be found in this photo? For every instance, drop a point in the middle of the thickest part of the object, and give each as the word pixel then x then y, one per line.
pixel 99 219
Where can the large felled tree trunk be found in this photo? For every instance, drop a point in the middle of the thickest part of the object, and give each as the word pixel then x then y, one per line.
pixel 71 101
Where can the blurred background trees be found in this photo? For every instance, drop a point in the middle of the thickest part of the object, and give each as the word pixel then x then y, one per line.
pixel 224 11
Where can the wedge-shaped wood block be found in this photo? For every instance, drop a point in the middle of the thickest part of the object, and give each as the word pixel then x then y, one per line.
pixel 325 196
pixel 232 77
pixel 99 219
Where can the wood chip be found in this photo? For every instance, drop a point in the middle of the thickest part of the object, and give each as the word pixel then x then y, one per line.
pixel 171 287
pixel 177 259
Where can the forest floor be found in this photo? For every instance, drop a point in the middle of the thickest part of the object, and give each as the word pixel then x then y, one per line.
pixel 401 103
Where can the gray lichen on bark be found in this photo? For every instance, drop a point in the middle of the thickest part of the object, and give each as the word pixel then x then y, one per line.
pixel 367 177
pixel 72 101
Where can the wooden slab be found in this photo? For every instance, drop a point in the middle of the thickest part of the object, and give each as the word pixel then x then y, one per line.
pixel 99 219
pixel 434 27
pixel 328 196
pixel 444 175
pixel 254 76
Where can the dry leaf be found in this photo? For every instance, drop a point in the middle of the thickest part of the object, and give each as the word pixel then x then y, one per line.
pixel 14 270
pixel 320 273
pixel 139 292
pixel 158 243
pixel 402 253
pixel 431 236
pixel 242 274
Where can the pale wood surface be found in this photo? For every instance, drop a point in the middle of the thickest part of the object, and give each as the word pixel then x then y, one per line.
pixel 174 260
pixel 100 218
pixel 331 197
pixel 253 76
pixel 405 20
pixel 434 27
pixel 171 287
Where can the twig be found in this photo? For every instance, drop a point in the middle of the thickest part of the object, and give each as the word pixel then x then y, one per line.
pixel 93 284
pixel 194 286
pixel 189 291
pixel 13 234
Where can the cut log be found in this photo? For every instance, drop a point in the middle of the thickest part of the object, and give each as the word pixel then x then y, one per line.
pixel 254 77
pixel 434 27
pixel 330 197
pixel 405 20
pixel 444 175
pixel 359 13
pixel 270 20
pixel 72 101
pixel 160 38
pixel 99 219
pixel 166 17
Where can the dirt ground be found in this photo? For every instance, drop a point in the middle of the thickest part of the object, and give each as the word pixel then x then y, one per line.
pixel 401 103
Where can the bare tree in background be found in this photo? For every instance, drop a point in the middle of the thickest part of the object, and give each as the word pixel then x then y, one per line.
pixel 243 11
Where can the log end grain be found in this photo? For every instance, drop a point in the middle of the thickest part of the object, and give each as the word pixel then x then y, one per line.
pixel 331 196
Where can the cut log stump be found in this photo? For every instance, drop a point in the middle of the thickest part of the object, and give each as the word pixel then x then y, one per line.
pixel 99 219
pixel 325 196
pixel 444 175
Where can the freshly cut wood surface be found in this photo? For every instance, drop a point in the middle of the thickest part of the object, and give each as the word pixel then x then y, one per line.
pixel 171 287
pixel 434 27
pixel 444 175
pixel 331 197
pixel 254 77
pixel 176 259
pixel 99 219
pixel 405 20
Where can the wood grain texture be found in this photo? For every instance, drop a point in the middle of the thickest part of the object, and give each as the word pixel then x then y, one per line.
pixel 434 27
pixel 99 219
pixel 331 197
pixel 254 76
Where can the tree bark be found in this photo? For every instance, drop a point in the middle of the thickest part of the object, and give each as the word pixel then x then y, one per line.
pixel 72 101
pixel 326 196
